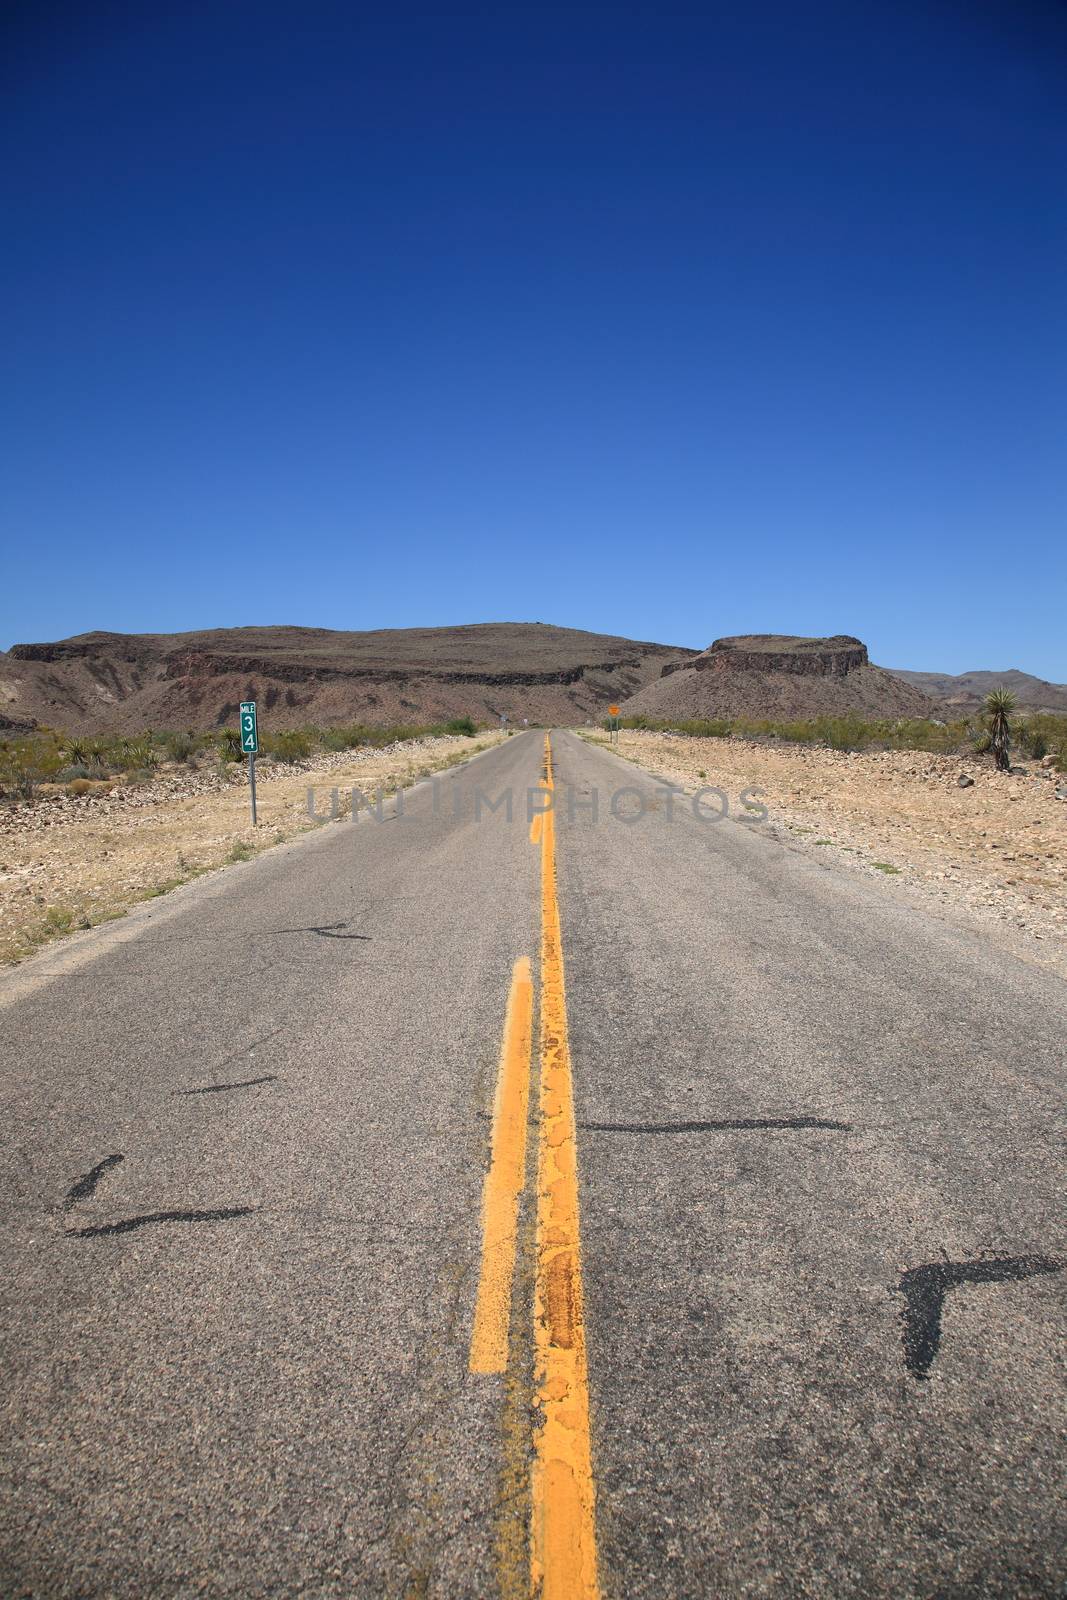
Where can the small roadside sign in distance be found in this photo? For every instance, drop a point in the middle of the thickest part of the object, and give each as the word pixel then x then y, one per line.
pixel 613 711
pixel 250 746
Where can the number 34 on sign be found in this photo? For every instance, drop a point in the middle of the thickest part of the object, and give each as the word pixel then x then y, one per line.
pixel 249 728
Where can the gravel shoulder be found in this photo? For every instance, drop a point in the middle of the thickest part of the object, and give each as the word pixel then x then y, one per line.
pixel 993 851
pixel 72 861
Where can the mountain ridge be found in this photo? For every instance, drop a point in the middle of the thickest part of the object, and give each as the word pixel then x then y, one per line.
pixel 102 682
pixel 778 676
pixel 965 691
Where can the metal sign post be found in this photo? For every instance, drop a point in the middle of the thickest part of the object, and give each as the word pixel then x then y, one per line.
pixel 613 724
pixel 250 745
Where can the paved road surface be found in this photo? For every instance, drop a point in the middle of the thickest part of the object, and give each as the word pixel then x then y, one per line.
pixel 822 1232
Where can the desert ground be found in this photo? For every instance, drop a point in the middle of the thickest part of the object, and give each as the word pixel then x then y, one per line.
pixel 995 849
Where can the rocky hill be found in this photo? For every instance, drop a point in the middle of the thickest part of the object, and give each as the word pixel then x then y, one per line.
pixel 123 683
pixel 961 694
pixel 778 677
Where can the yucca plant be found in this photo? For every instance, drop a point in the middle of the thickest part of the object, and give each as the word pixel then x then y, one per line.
pixel 999 705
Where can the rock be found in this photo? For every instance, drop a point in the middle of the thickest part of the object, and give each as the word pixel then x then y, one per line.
pixel 964 781
pixel 1061 791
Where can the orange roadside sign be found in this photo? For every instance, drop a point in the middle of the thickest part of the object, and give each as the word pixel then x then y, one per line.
pixel 613 711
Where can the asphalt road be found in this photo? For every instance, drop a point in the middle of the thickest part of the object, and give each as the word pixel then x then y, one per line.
pixel 823 1245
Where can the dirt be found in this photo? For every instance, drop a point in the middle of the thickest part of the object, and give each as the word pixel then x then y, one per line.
pixel 69 862
pixel 995 851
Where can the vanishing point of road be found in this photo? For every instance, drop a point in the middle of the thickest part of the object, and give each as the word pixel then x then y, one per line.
pixel 572 1203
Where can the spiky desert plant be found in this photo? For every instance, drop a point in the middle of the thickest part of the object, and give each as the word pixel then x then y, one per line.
pixel 999 705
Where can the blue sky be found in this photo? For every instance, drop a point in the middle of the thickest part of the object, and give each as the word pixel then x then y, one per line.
pixel 664 322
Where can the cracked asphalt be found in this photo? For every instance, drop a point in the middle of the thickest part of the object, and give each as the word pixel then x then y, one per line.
pixel 823 1241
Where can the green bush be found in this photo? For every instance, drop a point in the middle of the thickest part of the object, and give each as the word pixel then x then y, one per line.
pixel 138 754
pixel 293 745
pixel 1032 742
pixel 179 746
pixel 848 732
pixel 28 761
pixel 47 756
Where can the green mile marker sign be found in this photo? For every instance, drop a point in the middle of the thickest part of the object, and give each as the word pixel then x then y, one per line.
pixel 249 728
pixel 250 746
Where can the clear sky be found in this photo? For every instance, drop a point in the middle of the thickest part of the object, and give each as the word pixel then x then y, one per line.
pixel 664 322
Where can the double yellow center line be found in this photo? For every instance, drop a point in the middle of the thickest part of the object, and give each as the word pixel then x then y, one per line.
pixel 505 1180
pixel 563 1564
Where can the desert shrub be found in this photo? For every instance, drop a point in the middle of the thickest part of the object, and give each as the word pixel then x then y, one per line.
pixel 27 762
pixel 293 745
pixel 18 785
pixel 849 732
pixel 461 725
pixel 72 773
pixel 349 737
pixel 138 754
pixel 1045 728
pixel 1032 741
pixel 179 746
pixel 843 733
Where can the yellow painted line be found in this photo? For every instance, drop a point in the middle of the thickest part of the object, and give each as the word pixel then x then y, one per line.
pixel 505 1179
pixel 563 1497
